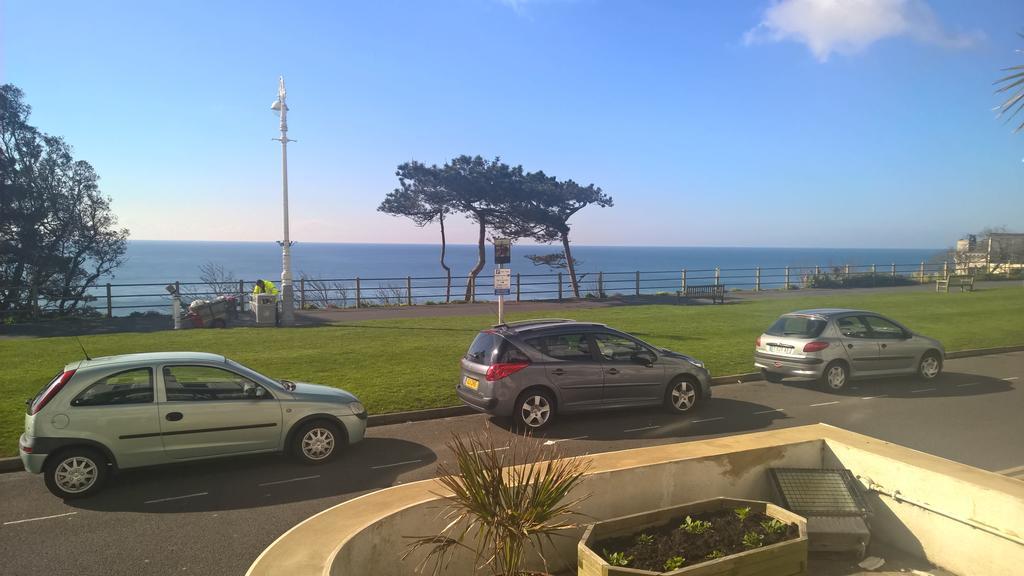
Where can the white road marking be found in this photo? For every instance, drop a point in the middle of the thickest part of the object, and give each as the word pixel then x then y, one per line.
pixel 1016 471
pixel 967 384
pixel 639 429
pixel 922 390
pixel 395 464
pixel 176 498
pixel 826 403
pixel 708 419
pixel 491 450
pixel 551 442
pixel 770 411
pixel 873 397
pixel 290 480
pixel 1010 378
pixel 40 518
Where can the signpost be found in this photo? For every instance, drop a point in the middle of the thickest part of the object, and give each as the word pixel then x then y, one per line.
pixel 502 275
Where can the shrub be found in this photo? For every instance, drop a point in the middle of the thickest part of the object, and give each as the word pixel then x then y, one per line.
pixel 753 540
pixel 695 526
pixel 742 513
pixel 674 563
pixel 617 558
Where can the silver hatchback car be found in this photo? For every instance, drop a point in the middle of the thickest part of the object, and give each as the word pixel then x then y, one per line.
pixel 834 345
pixel 533 369
pixel 104 414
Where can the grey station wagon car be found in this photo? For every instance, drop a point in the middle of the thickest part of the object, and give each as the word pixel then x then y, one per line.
pixel 103 414
pixel 835 345
pixel 533 369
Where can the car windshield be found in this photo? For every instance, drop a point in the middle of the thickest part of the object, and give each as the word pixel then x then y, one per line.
pixel 797 327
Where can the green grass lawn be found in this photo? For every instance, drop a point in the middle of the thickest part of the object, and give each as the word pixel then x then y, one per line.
pixel 410 364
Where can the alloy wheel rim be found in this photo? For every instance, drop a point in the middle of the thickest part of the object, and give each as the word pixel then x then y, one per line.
pixel 76 474
pixel 536 411
pixel 683 395
pixel 836 377
pixel 930 367
pixel 318 444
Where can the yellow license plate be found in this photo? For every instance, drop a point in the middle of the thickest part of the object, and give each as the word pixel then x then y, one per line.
pixel 472 383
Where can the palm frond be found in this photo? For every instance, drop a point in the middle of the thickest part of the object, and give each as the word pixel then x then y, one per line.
pixel 1014 85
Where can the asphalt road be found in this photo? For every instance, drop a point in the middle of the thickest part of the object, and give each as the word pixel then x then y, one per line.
pixel 216 517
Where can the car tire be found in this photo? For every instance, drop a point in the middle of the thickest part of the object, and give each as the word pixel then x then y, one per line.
pixel 75 473
pixel 930 366
pixel 835 377
pixel 317 442
pixel 683 395
pixel 771 376
pixel 534 409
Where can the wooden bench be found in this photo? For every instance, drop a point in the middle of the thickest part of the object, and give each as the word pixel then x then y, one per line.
pixel 966 283
pixel 714 291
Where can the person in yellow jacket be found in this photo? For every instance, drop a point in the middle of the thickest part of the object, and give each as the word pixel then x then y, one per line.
pixel 264 287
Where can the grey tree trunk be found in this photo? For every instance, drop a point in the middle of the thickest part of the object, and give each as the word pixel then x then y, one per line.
pixel 447 270
pixel 481 258
pixel 569 263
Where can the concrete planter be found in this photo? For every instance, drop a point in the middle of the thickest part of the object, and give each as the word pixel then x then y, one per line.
pixel 787 558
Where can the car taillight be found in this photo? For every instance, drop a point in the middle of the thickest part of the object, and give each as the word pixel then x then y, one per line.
pixel 815 346
pixel 757 342
pixel 503 369
pixel 52 391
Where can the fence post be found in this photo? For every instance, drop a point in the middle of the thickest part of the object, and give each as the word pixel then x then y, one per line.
pixel 846 271
pixel 408 290
pixel 922 272
pixel 559 286
pixel 682 283
pixel 302 293
pixel 241 295
pixel 637 282
pixel 787 277
pixel 472 291
pixel 718 275
pixel 945 267
pixel 757 278
pixel 817 270
pixel 110 306
pixel 600 284
pixel 34 297
pixel 359 293
pixel 874 279
pixel 894 273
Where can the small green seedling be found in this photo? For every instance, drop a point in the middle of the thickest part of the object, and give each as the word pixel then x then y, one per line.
pixel 645 539
pixel 674 563
pixel 742 513
pixel 715 555
pixel 692 526
pixel 753 540
pixel 617 558
pixel 774 526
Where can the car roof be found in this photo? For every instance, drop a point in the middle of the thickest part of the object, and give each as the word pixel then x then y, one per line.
pixel 827 313
pixel 145 358
pixel 524 326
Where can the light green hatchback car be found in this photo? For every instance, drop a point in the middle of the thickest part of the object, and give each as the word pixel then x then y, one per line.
pixel 101 415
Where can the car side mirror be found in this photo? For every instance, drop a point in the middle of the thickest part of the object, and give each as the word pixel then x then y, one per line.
pixel 260 393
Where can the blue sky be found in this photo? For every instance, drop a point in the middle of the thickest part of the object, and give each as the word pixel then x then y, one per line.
pixel 710 123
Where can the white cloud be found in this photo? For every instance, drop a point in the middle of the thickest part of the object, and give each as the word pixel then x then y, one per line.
pixel 849 26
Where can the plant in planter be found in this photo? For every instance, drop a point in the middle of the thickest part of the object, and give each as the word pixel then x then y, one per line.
pixel 717 536
pixel 503 501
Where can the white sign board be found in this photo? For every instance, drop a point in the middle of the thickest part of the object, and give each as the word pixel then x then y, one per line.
pixel 502 280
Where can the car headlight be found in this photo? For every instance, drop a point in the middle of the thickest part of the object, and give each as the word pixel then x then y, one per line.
pixel 696 363
pixel 356 408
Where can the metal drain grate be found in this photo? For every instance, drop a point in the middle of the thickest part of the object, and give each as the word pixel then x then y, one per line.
pixel 818 492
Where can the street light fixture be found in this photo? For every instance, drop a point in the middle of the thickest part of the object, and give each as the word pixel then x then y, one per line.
pixel 287 296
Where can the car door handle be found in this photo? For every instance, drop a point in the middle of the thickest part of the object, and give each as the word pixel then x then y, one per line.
pixel 174 416
pixel 884 345
pixel 613 371
pixel 558 372
pixel 849 345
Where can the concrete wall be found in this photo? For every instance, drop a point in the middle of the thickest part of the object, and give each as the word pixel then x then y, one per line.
pixel 614 492
pixel 953 490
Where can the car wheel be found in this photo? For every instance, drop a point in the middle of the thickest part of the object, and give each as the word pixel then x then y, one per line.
pixel 836 376
pixel 316 442
pixel 771 376
pixel 683 395
pixel 75 473
pixel 930 366
pixel 534 409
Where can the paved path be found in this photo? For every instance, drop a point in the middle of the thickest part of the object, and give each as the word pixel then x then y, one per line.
pixel 216 517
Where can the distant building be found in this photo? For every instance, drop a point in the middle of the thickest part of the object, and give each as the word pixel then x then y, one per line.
pixel 997 252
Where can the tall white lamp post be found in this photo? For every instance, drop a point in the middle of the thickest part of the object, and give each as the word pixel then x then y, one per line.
pixel 287 296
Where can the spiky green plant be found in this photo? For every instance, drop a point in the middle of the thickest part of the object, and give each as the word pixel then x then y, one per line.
pixel 742 513
pixel 501 502
pixel 692 526
pixel 774 526
pixel 753 540
pixel 714 555
pixel 617 558
pixel 674 563
pixel 645 539
pixel 1012 83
